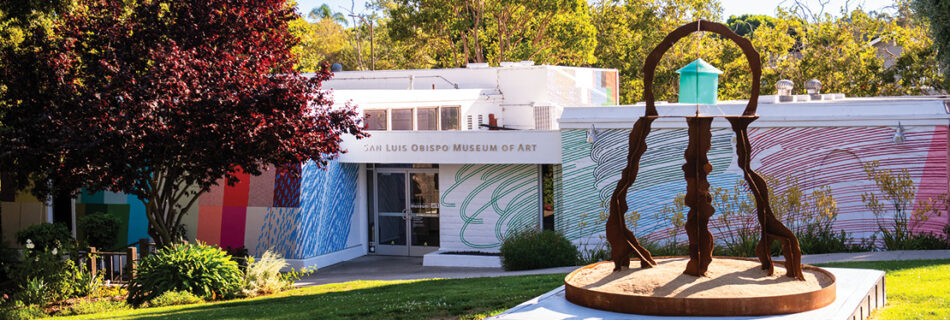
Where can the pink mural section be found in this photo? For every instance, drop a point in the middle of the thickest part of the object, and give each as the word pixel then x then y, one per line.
pixel 834 157
pixel 299 211
pixel 222 211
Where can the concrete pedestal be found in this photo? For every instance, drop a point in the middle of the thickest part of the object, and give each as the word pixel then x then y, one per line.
pixel 859 291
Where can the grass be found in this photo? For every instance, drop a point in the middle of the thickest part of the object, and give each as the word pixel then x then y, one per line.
pixel 916 289
pixel 402 299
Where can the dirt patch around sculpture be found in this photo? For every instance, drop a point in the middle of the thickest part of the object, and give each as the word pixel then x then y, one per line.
pixel 725 278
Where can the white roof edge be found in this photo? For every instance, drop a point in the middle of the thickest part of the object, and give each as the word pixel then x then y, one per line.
pixel 848 112
pixel 341 74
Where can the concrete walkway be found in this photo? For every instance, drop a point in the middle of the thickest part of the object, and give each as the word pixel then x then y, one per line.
pixel 408 268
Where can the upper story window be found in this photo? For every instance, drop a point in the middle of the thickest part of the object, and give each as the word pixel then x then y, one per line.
pixel 402 119
pixel 428 118
pixel 419 118
pixel 450 117
pixel 376 119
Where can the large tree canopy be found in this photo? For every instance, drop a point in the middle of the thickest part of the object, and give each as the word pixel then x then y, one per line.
pixel 937 13
pixel 492 31
pixel 161 99
pixel 839 51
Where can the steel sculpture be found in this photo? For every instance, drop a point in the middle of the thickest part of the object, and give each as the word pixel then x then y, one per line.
pixel 623 242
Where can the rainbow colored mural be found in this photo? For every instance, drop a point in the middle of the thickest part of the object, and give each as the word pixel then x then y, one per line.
pixel 569 86
pixel 129 209
pixel 829 156
pixel 300 216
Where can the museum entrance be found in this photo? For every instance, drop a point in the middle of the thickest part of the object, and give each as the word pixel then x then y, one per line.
pixel 407 211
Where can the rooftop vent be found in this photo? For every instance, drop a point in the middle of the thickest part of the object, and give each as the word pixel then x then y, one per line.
pixel 813 87
pixel 783 89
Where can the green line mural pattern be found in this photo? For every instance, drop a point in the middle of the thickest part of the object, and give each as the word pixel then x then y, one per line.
pixel 591 171
pixel 505 195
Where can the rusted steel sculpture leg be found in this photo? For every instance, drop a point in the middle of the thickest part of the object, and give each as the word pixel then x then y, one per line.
pixel 697 196
pixel 622 241
pixel 772 228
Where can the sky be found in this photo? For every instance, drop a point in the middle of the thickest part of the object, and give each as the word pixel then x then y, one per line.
pixel 730 7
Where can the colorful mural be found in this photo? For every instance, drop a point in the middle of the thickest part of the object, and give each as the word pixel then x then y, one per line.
pixel 298 216
pixel 818 157
pixel 129 209
pixel 582 87
pixel 480 204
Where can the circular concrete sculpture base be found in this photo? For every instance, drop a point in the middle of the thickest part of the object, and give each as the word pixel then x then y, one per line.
pixel 731 287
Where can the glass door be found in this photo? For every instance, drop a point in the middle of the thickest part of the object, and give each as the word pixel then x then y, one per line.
pixel 407 211
pixel 424 212
pixel 391 213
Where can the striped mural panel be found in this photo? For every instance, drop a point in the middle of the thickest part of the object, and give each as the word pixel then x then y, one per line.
pixel 327 201
pixel 817 157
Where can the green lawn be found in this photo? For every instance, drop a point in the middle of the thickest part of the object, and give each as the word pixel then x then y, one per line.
pixel 915 289
pixel 414 299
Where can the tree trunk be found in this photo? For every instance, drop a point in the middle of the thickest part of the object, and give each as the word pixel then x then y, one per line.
pixel 164 208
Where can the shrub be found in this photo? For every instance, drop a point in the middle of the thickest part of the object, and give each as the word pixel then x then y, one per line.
pixel 669 249
pixel 174 298
pixel 8 257
pixel 99 230
pixel 109 292
pixel 20 311
pixel 78 281
pixel 90 307
pixel 263 276
pixel 897 194
pixel 588 253
pixel 531 249
pixel 239 255
pixel 208 272
pixel 821 238
pixel 925 241
pixel 61 278
pixel 45 237
pixel 34 292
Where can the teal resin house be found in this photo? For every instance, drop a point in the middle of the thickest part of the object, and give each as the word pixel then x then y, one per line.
pixel 699 83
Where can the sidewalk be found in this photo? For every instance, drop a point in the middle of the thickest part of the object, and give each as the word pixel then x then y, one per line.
pixel 409 268
pixel 873 256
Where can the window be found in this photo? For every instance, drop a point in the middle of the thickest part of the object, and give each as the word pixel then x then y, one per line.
pixel 428 118
pixel 547 197
pixel 375 119
pixel 450 118
pixel 402 119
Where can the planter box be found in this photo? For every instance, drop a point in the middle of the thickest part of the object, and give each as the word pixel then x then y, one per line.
pixel 445 259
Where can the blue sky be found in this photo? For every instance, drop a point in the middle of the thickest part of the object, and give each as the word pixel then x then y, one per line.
pixel 730 7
